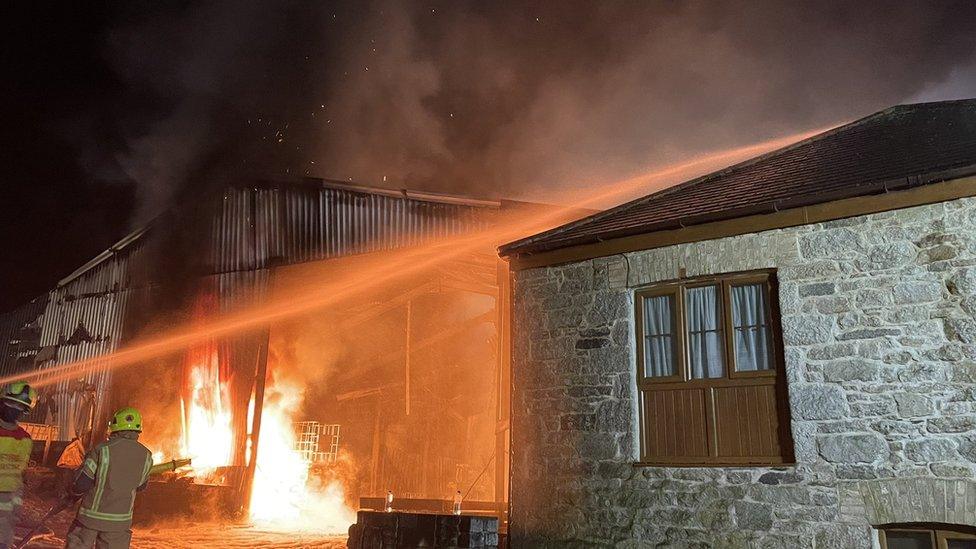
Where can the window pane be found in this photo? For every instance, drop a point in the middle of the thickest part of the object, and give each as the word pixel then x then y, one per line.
pixel 706 348
pixel 961 544
pixel 659 358
pixel 750 312
pixel 908 540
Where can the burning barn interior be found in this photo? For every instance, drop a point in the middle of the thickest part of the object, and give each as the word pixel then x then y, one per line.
pixel 298 419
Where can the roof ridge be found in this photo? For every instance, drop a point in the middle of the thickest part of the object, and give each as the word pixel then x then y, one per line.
pixel 936 104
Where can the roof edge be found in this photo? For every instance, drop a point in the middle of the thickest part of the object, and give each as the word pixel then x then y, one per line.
pixel 513 247
pixel 952 187
pixel 98 259
pixel 426 196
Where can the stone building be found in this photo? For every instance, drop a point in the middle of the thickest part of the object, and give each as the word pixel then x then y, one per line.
pixel 778 354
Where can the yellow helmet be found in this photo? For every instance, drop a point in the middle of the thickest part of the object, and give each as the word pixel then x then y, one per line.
pixel 126 419
pixel 21 394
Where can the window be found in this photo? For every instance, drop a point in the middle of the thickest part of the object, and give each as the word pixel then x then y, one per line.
pixel 937 537
pixel 710 373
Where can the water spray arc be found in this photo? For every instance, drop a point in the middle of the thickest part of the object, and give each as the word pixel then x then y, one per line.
pixel 393 266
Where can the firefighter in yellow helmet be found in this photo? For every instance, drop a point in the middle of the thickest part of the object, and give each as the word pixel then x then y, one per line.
pixel 15 449
pixel 107 483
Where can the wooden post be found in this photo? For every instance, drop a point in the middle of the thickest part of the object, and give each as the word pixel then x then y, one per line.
pixel 375 458
pixel 406 361
pixel 47 444
pixel 503 429
pixel 260 377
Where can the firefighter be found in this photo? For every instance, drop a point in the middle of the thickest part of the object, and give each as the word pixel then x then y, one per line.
pixel 107 483
pixel 15 449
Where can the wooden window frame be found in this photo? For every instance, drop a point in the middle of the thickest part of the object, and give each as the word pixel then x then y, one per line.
pixel 939 535
pixel 678 344
pixel 775 376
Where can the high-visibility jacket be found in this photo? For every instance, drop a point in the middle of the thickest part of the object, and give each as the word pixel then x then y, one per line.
pixel 15 451
pixel 118 467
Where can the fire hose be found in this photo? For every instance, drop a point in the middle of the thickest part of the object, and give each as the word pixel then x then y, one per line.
pixel 68 500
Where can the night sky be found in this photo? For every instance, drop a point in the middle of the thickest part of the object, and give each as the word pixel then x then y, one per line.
pixel 113 111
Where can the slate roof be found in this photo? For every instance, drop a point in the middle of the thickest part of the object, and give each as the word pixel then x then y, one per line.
pixel 899 147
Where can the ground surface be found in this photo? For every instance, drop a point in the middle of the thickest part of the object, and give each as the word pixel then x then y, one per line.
pixel 42 490
pixel 213 535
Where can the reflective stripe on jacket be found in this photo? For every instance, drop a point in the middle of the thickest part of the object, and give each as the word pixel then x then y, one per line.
pixel 118 466
pixel 15 451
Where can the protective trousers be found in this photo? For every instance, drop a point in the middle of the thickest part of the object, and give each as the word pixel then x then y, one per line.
pixel 82 537
pixel 9 502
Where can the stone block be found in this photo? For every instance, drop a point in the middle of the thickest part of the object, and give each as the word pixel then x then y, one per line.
pixel 853 448
pixel 807 329
pixel 818 402
pixel 817 289
pixel 961 329
pixel 963 282
pixel 832 351
pixel 914 405
pixel 577 422
pixel 869 333
pixel 779 477
pixel 837 535
pixel 952 424
pixel 831 244
pixel 917 292
pixel 868 298
pixel 967 447
pixel 738 477
pixel 851 370
pixel 833 305
pixel 929 450
pixel 753 516
pixel 888 256
pixel 953 470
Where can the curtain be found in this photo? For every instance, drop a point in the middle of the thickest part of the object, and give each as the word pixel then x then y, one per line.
pixel 658 336
pixel 751 330
pixel 705 347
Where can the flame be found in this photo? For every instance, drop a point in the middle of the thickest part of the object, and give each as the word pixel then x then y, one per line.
pixel 208 435
pixel 284 496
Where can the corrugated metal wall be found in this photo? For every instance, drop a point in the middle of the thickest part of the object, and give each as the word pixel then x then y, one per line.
pixel 252 229
pixel 20 336
pixel 84 319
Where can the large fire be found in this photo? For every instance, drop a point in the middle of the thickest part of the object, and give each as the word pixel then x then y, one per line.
pixel 284 495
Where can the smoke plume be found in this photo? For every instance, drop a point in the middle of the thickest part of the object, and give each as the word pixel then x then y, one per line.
pixel 507 98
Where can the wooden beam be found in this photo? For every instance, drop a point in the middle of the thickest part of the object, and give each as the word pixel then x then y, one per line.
pixel 389 305
pixel 406 361
pixel 362 393
pixel 260 377
pixel 375 454
pixel 817 213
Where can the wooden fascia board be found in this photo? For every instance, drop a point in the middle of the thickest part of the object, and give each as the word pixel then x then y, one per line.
pixel 817 213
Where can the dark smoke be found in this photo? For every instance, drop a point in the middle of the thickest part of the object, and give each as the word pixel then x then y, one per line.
pixel 504 98
pixel 115 111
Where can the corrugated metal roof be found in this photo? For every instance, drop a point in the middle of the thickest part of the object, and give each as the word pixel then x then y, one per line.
pixel 250 229
pixel 257 226
pixel 900 147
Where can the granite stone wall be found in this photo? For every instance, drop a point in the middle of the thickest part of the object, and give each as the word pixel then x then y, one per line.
pixel 880 344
